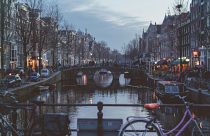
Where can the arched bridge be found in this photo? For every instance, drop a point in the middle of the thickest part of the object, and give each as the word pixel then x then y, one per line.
pixel 136 74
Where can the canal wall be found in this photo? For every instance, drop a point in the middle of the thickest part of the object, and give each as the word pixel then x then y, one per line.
pixel 31 88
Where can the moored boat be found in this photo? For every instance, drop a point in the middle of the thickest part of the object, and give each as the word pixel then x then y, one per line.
pixel 169 91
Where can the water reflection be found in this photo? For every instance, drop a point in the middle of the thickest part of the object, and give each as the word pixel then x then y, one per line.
pixel 103 78
pixel 168 116
pixel 91 95
pixel 124 81
pixel 81 79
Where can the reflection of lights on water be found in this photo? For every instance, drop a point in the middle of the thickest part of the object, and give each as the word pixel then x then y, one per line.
pixel 103 78
pixel 84 79
pixel 39 97
pixel 91 100
pixel 124 81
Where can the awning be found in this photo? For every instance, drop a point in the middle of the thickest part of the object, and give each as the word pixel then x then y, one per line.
pixel 177 61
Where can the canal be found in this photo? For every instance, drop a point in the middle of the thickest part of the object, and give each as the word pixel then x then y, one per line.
pixel 110 93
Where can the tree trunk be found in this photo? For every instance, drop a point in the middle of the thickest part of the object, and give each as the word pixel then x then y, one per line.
pixel 25 56
pixel 2 37
pixel 40 61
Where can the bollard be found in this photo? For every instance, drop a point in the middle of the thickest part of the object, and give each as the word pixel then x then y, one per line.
pixel 100 119
pixel 14 122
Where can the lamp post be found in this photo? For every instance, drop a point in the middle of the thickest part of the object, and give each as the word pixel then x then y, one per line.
pixel 178 7
pixel 2 13
pixel 75 39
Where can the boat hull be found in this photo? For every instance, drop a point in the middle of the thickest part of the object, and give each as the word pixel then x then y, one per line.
pixel 170 98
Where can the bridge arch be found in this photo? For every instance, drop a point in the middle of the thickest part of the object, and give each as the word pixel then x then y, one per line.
pixel 137 75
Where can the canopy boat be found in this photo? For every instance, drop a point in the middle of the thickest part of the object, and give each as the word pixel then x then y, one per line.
pixel 169 91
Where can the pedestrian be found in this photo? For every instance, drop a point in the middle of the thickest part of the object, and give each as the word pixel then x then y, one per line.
pixel 21 74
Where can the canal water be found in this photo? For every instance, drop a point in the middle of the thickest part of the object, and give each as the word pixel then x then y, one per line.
pixel 110 93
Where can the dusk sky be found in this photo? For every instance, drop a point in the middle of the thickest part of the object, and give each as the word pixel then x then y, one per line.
pixel 114 21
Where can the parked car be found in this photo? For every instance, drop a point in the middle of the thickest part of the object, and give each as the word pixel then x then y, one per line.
pixel 45 72
pixel 12 80
pixel 34 77
pixel 20 71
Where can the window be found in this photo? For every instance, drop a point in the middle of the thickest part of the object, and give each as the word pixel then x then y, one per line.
pixel 171 89
pixel 208 21
pixel 13 53
pixel 208 6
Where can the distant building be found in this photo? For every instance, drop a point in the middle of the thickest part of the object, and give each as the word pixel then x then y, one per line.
pixel 21 23
pixel 183 36
pixel 200 32
pixel 150 43
pixel 50 30
pixel 7 18
pixel 167 43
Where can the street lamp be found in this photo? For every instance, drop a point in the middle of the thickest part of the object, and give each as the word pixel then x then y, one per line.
pixel 178 7
pixel 75 39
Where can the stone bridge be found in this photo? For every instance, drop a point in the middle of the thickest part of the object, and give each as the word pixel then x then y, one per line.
pixel 136 74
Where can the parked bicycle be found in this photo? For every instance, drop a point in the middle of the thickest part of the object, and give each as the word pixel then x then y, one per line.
pixel 28 120
pixel 149 126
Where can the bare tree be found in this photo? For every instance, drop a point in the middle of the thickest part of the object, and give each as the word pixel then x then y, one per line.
pixel 48 31
pixel 132 49
pixel 6 30
pixel 99 50
pixel 55 14
pixel 180 6
pixel 115 55
pixel 66 41
pixel 26 26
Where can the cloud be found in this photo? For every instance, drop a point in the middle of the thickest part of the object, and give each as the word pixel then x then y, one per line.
pixel 106 14
pixel 114 27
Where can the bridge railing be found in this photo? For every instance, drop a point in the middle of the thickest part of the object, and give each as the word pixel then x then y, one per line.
pixel 99 116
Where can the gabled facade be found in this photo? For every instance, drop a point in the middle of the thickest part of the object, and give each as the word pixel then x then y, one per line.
pixel 167 38
pixel 150 42
pixel 184 36
pixel 7 34
pixel 200 32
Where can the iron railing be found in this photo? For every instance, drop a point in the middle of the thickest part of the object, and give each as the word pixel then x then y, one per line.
pixel 99 115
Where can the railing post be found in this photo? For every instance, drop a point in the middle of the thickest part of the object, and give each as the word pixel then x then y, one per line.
pixel 41 119
pixel 100 119
pixel 26 122
pixel 14 122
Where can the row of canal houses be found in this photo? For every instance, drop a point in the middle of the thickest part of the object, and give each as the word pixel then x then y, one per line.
pixel 185 36
pixel 31 39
